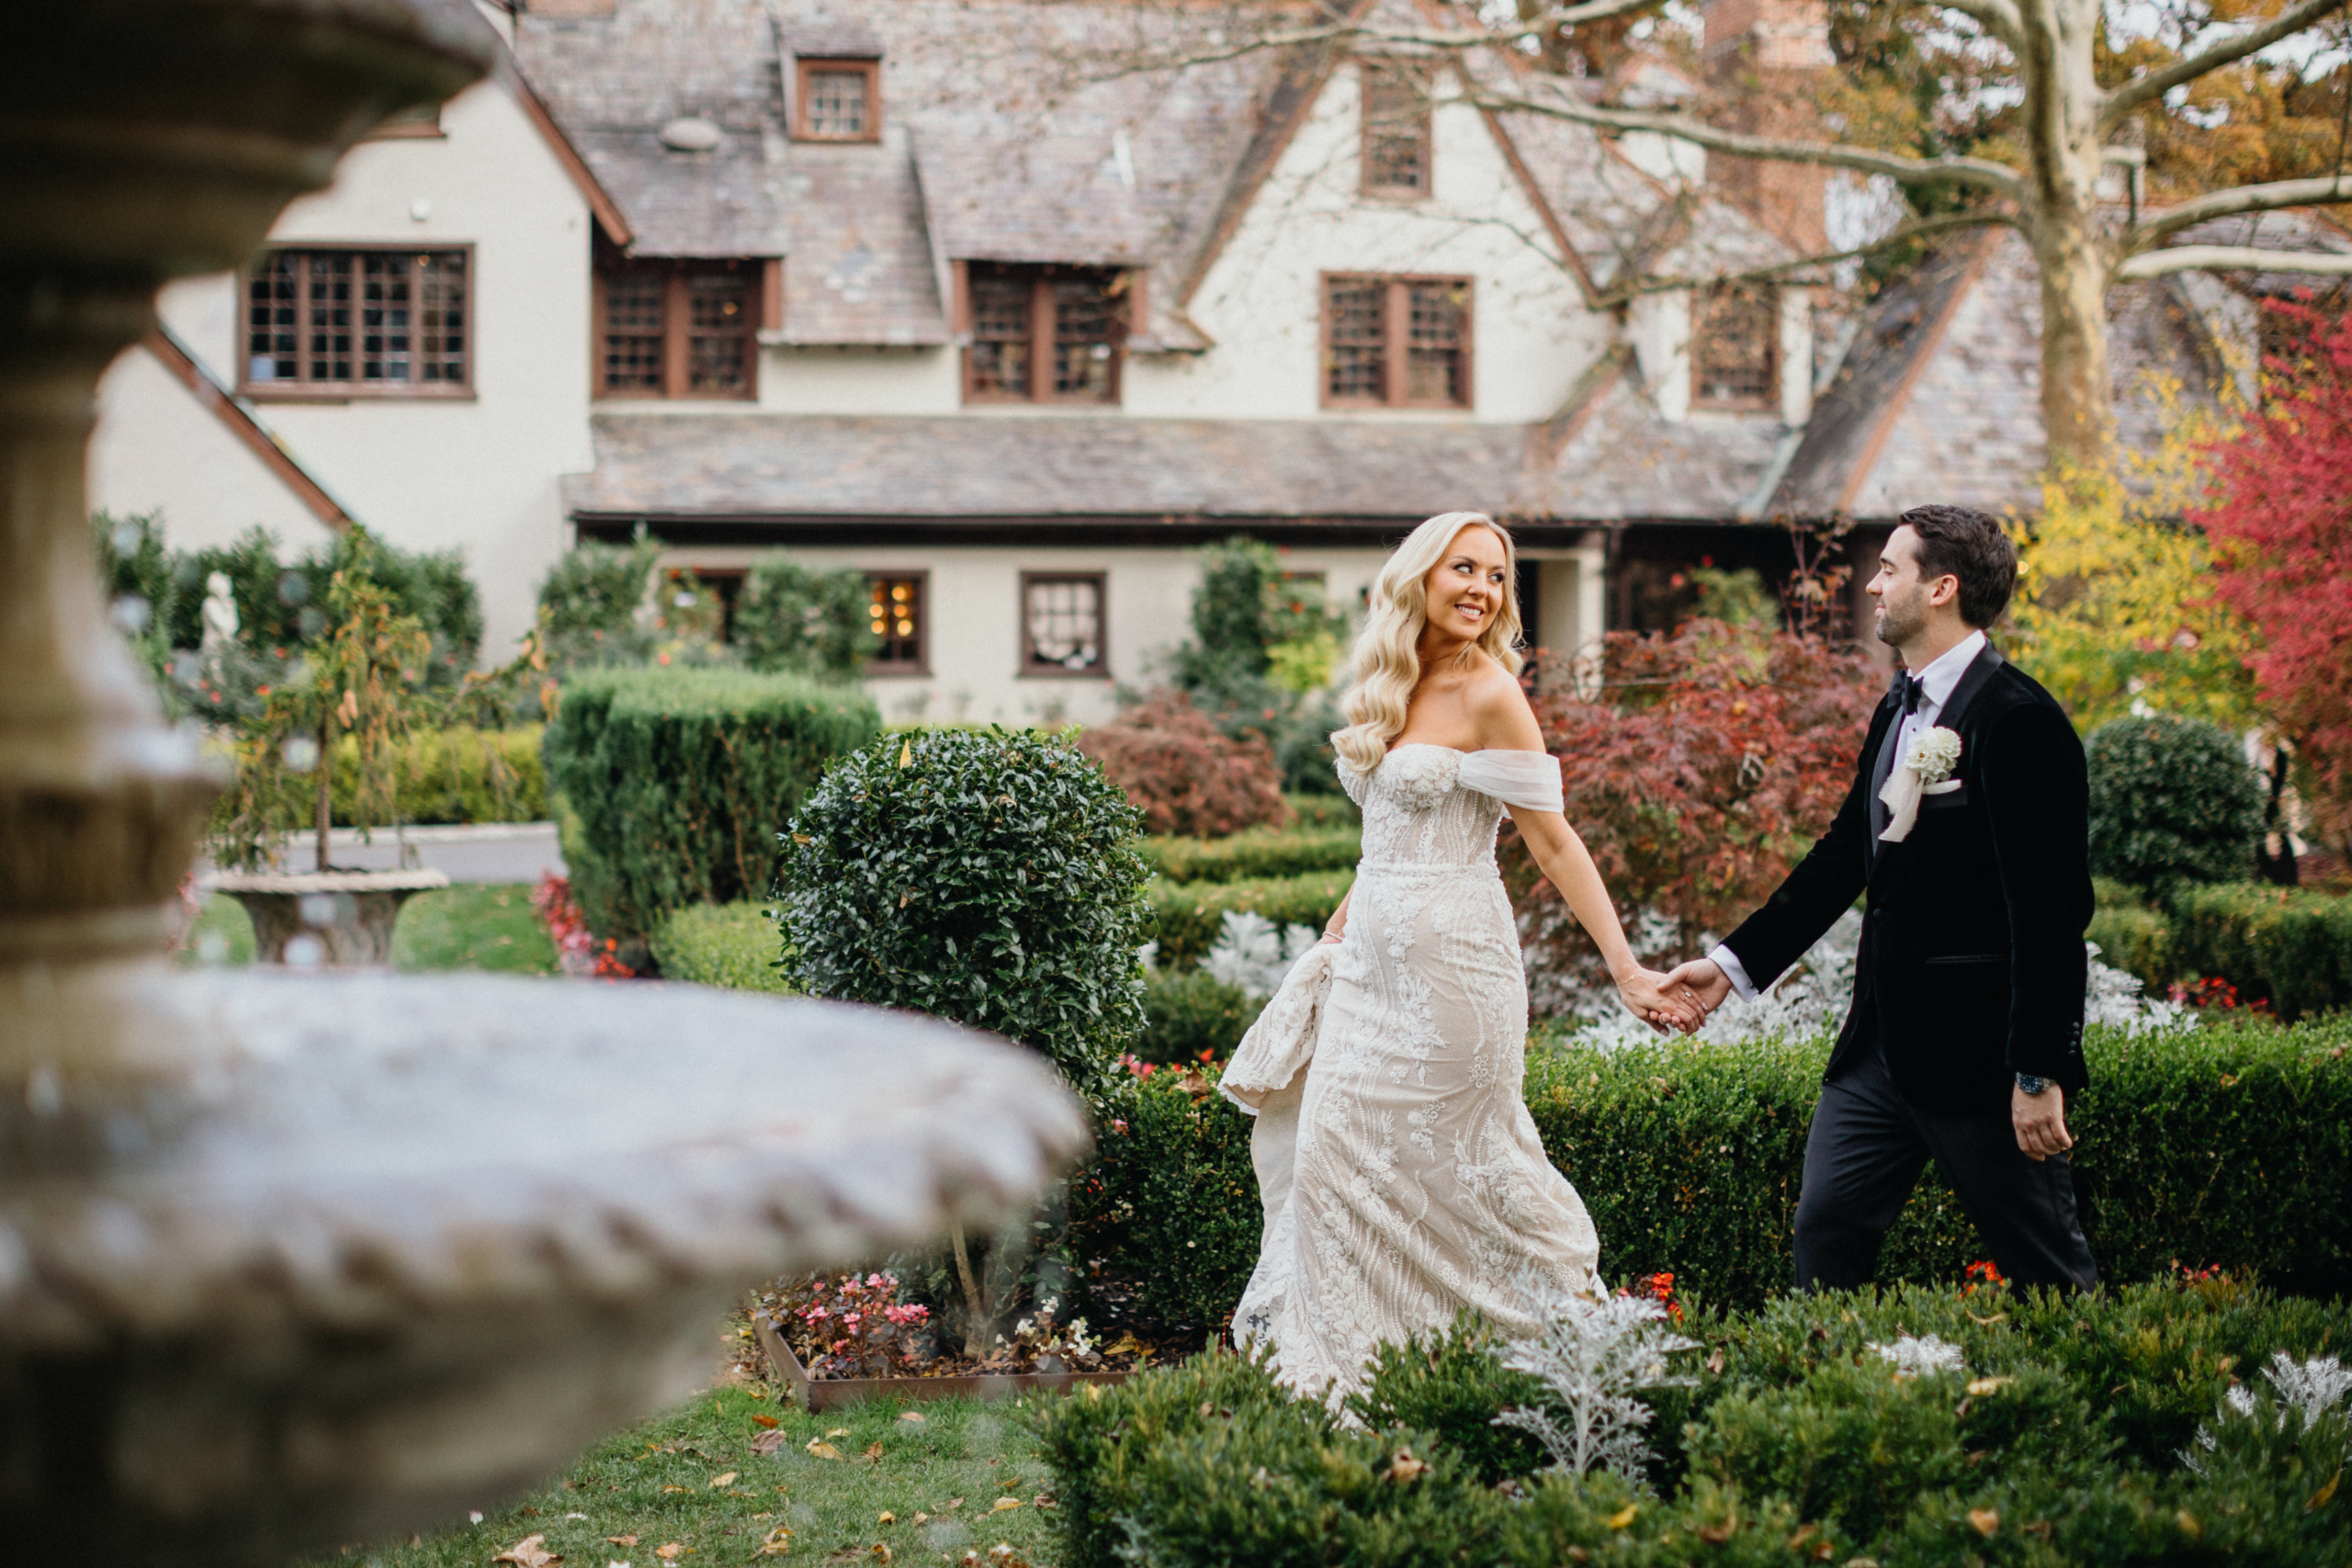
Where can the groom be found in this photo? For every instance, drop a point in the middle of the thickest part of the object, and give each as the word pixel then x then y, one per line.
pixel 1965 1035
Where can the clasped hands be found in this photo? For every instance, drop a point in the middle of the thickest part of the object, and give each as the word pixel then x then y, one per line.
pixel 1679 999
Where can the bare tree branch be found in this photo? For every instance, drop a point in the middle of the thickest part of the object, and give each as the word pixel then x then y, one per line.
pixel 2270 198
pixel 1453 40
pixel 2155 83
pixel 1999 18
pixel 1920 229
pixel 1982 172
pixel 2232 258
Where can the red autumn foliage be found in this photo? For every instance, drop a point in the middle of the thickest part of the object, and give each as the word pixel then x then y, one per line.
pixel 1703 768
pixel 1185 774
pixel 2281 519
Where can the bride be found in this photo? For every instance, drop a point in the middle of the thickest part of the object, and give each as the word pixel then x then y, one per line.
pixel 1401 1174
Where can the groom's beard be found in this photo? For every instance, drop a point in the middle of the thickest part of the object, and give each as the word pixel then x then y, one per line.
pixel 1898 622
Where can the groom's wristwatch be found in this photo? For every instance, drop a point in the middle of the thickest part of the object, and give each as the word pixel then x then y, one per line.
pixel 2031 1084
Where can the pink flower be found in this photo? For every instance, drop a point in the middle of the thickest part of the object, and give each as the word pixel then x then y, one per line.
pixel 875 1280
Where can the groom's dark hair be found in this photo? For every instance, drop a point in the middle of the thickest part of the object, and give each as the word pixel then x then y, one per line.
pixel 1957 542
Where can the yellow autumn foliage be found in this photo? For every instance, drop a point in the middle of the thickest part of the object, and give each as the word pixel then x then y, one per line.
pixel 2114 610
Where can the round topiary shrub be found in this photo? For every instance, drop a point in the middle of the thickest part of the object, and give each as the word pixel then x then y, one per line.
pixel 2172 800
pixel 979 875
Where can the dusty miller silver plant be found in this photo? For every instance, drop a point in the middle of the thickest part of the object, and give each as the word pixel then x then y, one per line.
pixel 1593 1354
pixel 2312 1387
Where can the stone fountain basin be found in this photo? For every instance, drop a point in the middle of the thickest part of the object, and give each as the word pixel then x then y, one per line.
pixel 394 1248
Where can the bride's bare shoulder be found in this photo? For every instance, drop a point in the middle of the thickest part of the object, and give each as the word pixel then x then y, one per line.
pixel 1498 708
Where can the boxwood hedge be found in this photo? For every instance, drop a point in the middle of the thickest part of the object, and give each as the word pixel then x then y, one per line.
pixel 675 783
pixel 1253 852
pixel 1189 914
pixel 2228 1147
pixel 2291 947
pixel 2060 1441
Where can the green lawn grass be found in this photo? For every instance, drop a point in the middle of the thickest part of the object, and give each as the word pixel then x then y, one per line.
pixel 470 925
pixel 658 1482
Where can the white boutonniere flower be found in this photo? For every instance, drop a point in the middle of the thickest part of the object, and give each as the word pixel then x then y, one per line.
pixel 1926 769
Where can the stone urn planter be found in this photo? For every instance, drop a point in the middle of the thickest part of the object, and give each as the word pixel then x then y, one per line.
pixel 348 914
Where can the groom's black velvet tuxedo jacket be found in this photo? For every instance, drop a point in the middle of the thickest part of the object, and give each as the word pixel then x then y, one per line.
pixel 1972 967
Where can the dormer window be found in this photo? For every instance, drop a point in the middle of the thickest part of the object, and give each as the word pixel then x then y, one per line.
pixel 1395 111
pixel 1043 333
pixel 838 100
pixel 1735 347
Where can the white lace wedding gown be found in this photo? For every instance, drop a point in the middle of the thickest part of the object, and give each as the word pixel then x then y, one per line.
pixel 1401 1174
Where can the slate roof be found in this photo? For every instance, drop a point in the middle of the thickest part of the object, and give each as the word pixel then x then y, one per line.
pixel 745 466
pixel 1938 396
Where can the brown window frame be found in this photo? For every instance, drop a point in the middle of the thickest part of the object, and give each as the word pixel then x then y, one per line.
pixel 1122 287
pixel 1034 667
pixel 417 122
pixel 1397 345
pixel 1770 398
pixel 302 389
pixel 921 663
pixel 806 67
pixel 1415 76
pixel 677 334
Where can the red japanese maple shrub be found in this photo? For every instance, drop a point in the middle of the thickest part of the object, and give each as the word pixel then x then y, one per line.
pixel 1701 770
pixel 1185 774
pixel 2281 519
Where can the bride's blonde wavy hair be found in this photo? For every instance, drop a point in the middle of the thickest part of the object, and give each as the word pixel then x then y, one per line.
pixel 1387 661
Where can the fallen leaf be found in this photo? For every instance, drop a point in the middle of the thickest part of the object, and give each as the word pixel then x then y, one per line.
pixel 767 1421
pixel 775 1543
pixel 1624 1516
pixel 873 1451
pixel 920 1519
pixel 917 1416
pixel 674 1489
pixel 1715 1362
pixel 824 1450
pixel 529 1552
pixel 622 1539
pixel 1982 1386
pixel 950 1505
pixel 1715 1535
pixel 669 1552
pixel 768 1442
pixel 727 1479
pixel 1987 1322
pixel 1986 1521
pixel 886 1517
pixel 1001 1504
pixel 882 1553
pixel 2188 1525
pixel 2326 1494
pixel 1041 1500
pixel 838 1432
pixel 1403 1468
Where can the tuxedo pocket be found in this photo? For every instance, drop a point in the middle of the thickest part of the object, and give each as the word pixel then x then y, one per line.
pixel 1950 801
pixel 1971 958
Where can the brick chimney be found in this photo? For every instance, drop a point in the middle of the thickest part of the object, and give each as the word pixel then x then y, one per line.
pixel 1766 58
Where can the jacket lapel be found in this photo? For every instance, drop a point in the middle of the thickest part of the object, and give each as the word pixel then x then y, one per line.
pixel 1979 673
pixel 1975 679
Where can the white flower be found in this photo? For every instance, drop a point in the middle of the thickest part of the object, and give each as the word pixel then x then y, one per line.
pixel 2315 1387
pixel 1922 1357
pixel 1935 752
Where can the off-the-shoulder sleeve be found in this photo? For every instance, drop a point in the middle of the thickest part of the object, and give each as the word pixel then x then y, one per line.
pixel 1530 779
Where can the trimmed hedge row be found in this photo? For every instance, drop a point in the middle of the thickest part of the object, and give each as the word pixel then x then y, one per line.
pixel 677 781
pixel 1189 913
pixel 1254 853
pixel 2230 1146
pixel 2058 1441
pixel 734 945
pixel 445 775
pixel 2292 946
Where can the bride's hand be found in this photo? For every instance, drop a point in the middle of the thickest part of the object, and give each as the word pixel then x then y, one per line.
pixel 1662 1006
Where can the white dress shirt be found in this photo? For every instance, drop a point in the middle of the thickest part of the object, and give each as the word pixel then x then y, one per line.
pixel 1936 683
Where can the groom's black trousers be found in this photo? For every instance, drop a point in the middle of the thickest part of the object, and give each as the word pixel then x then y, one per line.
pixel 1867 1149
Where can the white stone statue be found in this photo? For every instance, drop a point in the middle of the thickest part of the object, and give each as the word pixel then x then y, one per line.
pixel 219 613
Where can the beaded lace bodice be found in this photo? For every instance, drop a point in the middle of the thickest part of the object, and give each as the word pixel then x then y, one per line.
pixel 1402 1175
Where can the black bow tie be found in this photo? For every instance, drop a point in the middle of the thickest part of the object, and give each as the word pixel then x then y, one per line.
pixel 1910 691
